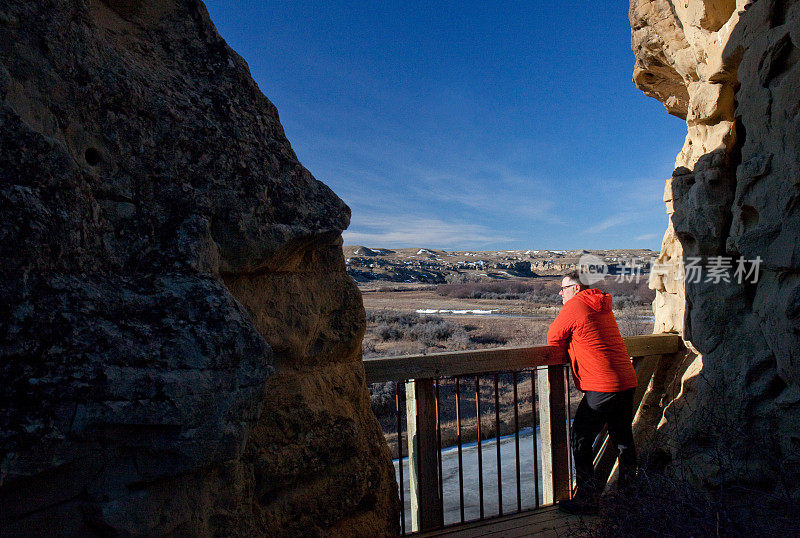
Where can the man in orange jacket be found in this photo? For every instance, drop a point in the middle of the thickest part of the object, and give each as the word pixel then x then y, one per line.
pixel 602 369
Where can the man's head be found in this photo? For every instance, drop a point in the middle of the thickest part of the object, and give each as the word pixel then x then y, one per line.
pixel 570 286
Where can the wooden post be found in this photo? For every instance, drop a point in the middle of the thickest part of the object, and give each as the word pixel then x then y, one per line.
pixel 423 461
pixel 553 417
pixel 543 392
pixel 411 440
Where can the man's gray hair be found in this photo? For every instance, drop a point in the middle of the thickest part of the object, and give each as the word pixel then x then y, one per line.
pixel 577 277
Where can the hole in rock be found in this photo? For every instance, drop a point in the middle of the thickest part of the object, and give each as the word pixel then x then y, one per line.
pixel 778 15
pixel 92 156
pixel 749 216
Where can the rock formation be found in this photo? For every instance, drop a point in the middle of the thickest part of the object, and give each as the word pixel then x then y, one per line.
pixel 180 341
pixel 730 414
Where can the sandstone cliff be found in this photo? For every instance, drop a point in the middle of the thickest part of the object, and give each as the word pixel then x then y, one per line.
pixel 180 341
pixel 731 412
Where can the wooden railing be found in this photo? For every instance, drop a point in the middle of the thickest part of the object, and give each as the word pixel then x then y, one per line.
pixel 546 367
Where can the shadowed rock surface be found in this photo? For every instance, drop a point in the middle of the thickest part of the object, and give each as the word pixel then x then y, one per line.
pixel 180 340
pixel 729 414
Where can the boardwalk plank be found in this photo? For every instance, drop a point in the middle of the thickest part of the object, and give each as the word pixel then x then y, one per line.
pixel 542 522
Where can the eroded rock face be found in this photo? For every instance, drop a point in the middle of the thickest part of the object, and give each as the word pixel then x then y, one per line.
pixel 730 413
pixel 180 341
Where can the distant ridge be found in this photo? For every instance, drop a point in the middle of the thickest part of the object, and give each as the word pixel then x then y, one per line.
pixel 430 266
pixel 366 251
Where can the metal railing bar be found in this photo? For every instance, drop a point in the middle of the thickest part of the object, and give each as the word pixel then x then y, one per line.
pixel 460 458
pixel 439 443
pixel 516 442
pixel 497 444
pixel 480 449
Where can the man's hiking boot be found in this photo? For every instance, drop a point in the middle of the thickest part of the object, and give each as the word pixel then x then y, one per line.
pixel 579 506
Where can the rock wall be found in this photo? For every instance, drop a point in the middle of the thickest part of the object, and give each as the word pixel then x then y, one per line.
pixel 180 341
pixel 728 414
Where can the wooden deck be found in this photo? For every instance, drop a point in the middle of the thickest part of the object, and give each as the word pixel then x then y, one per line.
pixel 545 366
pixel 546 522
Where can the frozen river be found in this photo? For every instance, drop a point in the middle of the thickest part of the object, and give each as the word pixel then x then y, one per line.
pixel 470 473
pixel 496 313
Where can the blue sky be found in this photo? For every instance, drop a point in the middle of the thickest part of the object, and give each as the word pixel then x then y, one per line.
pixel 467 125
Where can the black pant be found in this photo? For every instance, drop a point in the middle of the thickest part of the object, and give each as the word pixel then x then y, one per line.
pixel 595 410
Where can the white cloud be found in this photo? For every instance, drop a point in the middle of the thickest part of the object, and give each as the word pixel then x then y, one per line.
pixel 646 237
pixel 399 231
pixel 613 221
pixel 401 195
pixel 488 188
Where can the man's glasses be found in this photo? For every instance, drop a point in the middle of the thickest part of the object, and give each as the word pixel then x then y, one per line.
pixel 567 286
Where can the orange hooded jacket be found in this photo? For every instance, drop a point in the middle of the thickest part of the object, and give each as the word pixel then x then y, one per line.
pixel 587 328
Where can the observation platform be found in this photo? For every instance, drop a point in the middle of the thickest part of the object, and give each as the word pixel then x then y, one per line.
pixel 522 471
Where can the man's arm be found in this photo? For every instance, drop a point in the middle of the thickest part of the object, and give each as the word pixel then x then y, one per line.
pixel 560 330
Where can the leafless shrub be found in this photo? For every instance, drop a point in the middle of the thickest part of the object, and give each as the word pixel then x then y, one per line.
pixel 430 330
pixel 631 322
pixel 367 348
pixel 460 278
pixel 390 316
pixel 537 291
pixel 489 339
pixel 546 291
pixel 635 292
pixel 384 289
pixel 390 331
pixel 381 398
pixel 459 340
pixel 536 334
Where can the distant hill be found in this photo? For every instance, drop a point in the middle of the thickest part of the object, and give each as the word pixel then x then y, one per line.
pixel 366 264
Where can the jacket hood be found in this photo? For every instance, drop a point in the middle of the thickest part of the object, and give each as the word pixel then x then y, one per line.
pixel 595 299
